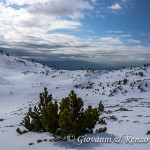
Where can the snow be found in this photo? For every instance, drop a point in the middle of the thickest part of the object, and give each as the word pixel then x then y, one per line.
pixel 21 81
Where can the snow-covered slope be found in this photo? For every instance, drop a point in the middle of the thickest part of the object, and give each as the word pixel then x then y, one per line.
pixel 125 94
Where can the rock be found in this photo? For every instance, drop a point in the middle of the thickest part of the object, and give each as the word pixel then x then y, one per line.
pixel 113 118
pixel 148 132
pixel 123 109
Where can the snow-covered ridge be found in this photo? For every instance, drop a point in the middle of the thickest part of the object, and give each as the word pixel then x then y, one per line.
pixel 125 94
pixel 107 83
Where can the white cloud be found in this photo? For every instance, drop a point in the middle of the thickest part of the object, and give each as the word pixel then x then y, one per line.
pixel 30 2
pixel 111 31
pixel 134 41
pixel 19 26
pixel 56 8
pixel 94 1
pixel 62 8
pixel 111 40
pixel 115 6
pixel 126 35
pixel 28 31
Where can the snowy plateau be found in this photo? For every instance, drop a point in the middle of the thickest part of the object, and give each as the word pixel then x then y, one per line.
pixel 125 94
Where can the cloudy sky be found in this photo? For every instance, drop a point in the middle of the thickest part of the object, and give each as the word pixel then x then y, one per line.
pixel 90 30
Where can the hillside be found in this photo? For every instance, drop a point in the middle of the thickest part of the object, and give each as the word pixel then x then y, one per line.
pixel 125 94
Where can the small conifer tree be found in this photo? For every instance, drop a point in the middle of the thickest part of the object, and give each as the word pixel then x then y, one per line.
pixel 100 107
pixel 68 118
pixel 49 118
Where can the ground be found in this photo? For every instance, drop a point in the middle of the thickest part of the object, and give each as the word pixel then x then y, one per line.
pixel 125 94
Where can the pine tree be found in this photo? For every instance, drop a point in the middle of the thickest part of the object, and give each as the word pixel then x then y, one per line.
pixel 73 107
pixel 91 117
pixel 49 118
pixel 45 99
pixel 32 121
pixel 18 131
pixel 65 104
pixel 79 121
pixel 100 107
pixel 76 105
pixel 26 122
pixel 65 122
pixel 69 118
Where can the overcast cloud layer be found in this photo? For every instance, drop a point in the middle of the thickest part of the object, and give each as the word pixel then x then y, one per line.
pixel 62 29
